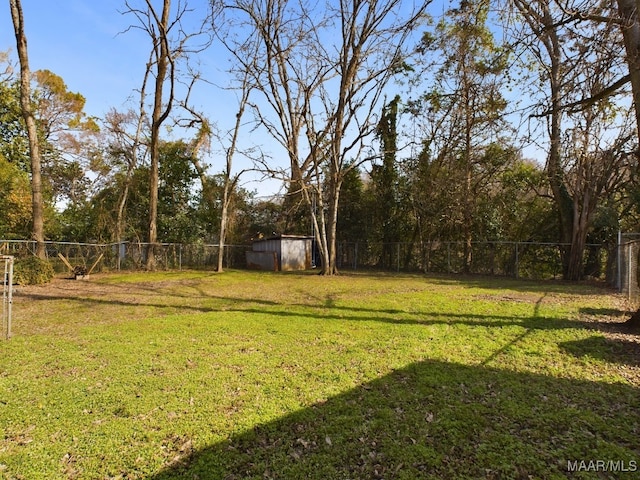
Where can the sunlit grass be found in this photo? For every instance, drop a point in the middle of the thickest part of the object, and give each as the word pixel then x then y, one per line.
pixel 258 375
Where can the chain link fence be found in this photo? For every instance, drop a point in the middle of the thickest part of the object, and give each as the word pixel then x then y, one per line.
pixel 627 260
pixel 528 260
pixel 533 260
pixel 128 256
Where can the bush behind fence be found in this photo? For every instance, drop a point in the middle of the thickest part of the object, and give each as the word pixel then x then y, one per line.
pixel 532 260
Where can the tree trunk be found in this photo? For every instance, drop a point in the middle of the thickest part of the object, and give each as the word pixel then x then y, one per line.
pixel 316 209
pixel 37 201
pixel 159 115
pixel 628 10
pixel 332 227
pixel 467 227
pixel 634 322
pixel 120 216
pixel 574 260
pixel 224 219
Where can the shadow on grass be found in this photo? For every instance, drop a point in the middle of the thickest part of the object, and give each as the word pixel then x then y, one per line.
pixel 603 312
pixel 617 350
pixel 326 309
pixel 424 318
pixel 521 284
pixel 434 420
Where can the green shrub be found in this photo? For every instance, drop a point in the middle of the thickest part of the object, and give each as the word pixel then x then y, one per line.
pixel 32 271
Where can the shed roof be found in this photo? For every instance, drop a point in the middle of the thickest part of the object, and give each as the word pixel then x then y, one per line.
pixel 287 237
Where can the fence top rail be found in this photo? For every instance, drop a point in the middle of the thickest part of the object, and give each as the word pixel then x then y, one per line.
pixel 217 245
pixel 103 245
pixel 51 242
pixel 482 242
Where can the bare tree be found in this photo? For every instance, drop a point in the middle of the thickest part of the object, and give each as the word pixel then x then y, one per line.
pixel 280 58
pixel 630 28
pixel 576 63
pixel 125 147
pixel 32 132
pixel 626 17
pixel 163 63
pixel 371 48
pixel 230 179
pixel 322 71
pixel 229 145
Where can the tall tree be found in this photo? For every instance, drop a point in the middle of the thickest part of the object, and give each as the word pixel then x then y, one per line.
pixel 385 181
pixel 157 25
pixel 230 179
pixel 371 49
pixel 279 57
pixel 323 70
pixel 32 131
pixel 576 63
pixel 464 110
pixel 172 41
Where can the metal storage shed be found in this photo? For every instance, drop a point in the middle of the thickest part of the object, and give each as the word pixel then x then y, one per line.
pixel 282 252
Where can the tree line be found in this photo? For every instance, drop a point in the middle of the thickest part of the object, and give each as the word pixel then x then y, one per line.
pixel 474 121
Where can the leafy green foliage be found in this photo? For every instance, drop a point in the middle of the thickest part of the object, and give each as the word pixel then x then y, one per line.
pixel 32 271
pixel 176 209
pixel 13 144
pixel 354 212
pixel 15 201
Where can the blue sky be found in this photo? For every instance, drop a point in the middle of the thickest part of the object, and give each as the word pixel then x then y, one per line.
pixel 81 41
pixel 86 43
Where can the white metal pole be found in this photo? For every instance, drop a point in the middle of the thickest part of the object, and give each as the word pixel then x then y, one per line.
pixel 7 294
pixel 10 306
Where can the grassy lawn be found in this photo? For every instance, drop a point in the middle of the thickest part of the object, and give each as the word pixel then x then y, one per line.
pixel 255 375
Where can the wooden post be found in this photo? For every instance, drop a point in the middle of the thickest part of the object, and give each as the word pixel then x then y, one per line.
pixel 66 262
pixel 94 265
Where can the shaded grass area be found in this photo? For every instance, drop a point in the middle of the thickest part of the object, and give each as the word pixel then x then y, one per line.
pixel 432 420
pixel 250 375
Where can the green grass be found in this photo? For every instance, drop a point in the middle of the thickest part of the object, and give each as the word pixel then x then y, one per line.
pixel 258 375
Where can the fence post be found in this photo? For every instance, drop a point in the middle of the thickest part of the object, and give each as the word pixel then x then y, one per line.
pixel 7 294
pixel 517 265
